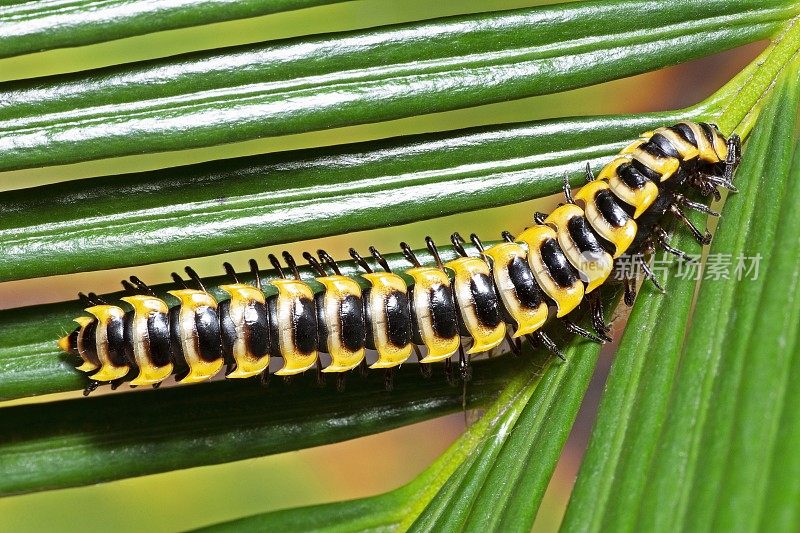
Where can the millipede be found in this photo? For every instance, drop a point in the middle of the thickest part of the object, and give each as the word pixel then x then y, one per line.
pixel 504 292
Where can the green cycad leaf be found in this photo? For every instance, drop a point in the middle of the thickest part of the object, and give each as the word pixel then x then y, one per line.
pixel 86 441
pixel 243 203
pixel 27 27
pixel 701 434
pixel 172 214
pixel 308 84
pixel 491 479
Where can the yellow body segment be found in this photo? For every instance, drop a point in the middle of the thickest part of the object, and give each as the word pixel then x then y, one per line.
pixel 528 320
pixel 640 199
pixel 337 288
pixel 143 307
pixel 566 298
pixel 88 365
pixel 425 280
pixel 705 148
pixel 485 336
pixel 620 236
pixel 291 292
pixel 686 149
pixel 108 370
pixel 383 284
pixel 594 269
pixel 192 301
pixel 242 296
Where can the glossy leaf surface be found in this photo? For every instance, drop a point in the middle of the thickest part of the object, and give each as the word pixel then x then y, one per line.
pixel 697 434
pixel 306 84
pixel 27 26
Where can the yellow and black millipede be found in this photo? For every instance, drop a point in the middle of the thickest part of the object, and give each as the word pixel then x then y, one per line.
pixel 505 292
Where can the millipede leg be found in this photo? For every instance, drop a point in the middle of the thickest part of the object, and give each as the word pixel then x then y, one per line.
pixel 662 241
pixel 682 201
pixel 341 379
pixel 514 345
pixel 464 370
pixel 320 375
pixel 448 372
pixel 567 189
pixel 264 377
pixel 598 320
pixel 574 328
pixel 734 156
pixel 589 174
pixel 648 274
pixel 115 384
pixel 702 238
pixel 363 369
pixel 424 368
pixel 541 338
pixel 388 379
pixel 630 291
pixel 90 387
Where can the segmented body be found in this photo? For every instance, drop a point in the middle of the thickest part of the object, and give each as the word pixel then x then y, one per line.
pixel 507 291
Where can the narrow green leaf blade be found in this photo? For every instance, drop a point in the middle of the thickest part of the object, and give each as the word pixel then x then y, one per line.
pixel 244 203
pixel 487 469
pixel 299 85
pixel 84 441
pixel 663 455
pixel 27 27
